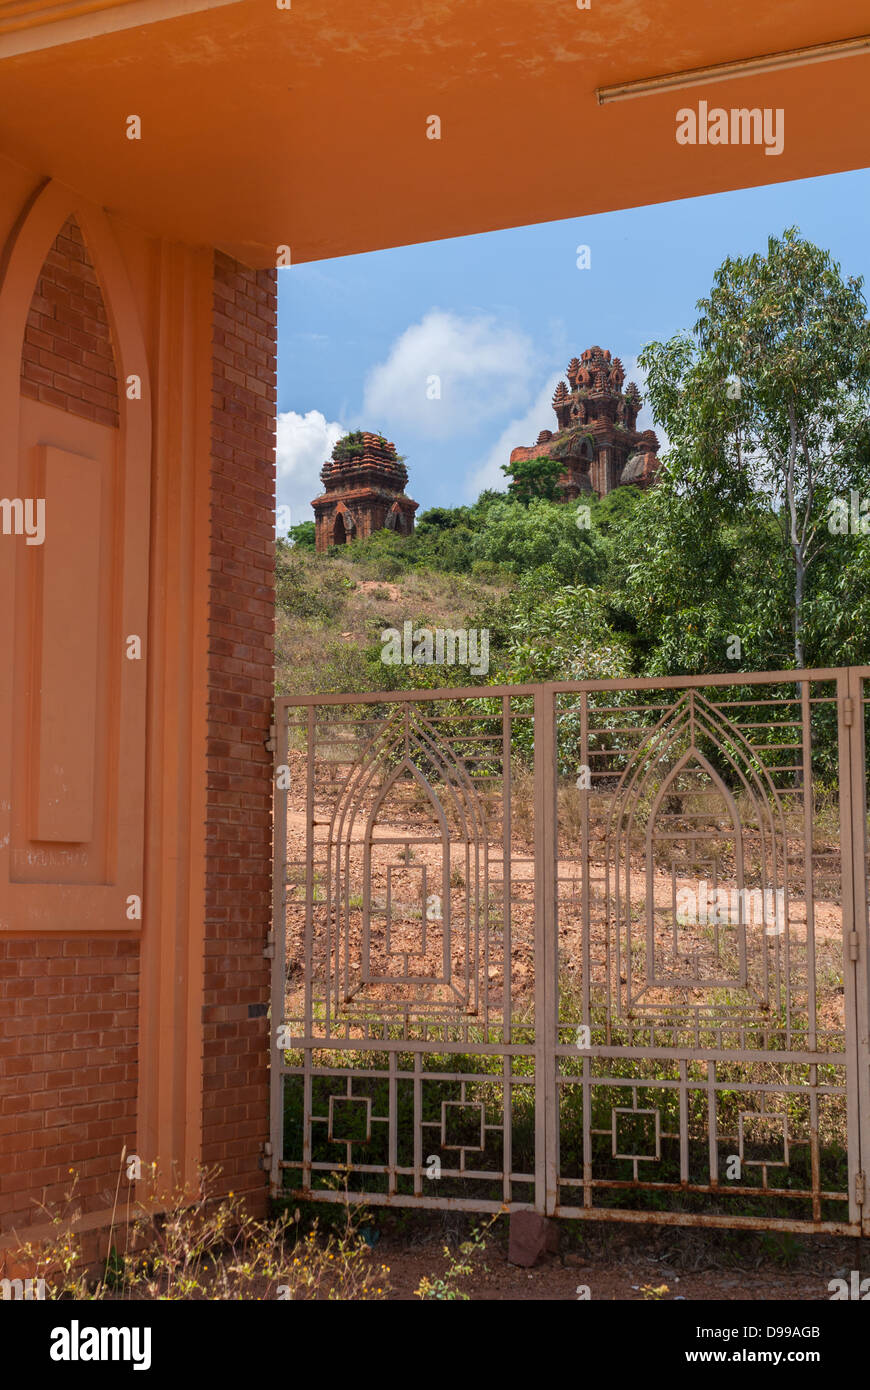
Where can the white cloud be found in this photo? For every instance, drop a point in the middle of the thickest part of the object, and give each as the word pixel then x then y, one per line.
pixel 522 430
pixel 483 367
pixel 304 443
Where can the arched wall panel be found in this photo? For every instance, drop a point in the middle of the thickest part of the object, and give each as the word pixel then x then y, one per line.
pixel 72 703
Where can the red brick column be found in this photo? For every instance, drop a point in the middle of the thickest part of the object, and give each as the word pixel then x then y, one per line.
pixel 241 684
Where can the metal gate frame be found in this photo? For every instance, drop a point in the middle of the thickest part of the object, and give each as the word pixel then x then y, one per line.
pixel 851 705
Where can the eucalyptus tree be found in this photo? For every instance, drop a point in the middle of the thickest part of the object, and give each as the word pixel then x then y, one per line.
pixel 765 402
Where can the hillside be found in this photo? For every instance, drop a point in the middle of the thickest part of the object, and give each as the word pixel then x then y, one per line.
pixel 331 612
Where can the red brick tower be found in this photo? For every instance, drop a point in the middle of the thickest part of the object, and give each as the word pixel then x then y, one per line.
pixel 596 437
pixel 365 491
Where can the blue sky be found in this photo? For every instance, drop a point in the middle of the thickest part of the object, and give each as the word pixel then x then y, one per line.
pixel 497 317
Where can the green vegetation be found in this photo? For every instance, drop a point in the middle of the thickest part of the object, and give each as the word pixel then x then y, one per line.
pixel 531 478
pixel 352 444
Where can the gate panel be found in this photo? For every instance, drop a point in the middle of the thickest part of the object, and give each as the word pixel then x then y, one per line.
pixel 589 948
pixel 407 982
pixel 706 1061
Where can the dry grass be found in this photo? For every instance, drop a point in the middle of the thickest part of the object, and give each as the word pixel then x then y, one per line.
pixel 197 1248
pixel 330 610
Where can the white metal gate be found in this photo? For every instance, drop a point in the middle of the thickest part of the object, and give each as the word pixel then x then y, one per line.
pixel 594 948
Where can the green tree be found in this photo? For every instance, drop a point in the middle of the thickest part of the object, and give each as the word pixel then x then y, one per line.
pixel 688 579
pixel 303 536
pixel 523 539
pixel 438 519
pixel 534 478
pixel 763 403
pixel 451 549
pixel 560 633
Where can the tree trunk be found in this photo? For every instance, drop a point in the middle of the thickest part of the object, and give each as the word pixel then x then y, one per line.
pixel 799 576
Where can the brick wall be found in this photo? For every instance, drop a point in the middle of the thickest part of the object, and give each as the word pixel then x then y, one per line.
pixel 68 1030
pixel 67 358
pixel 241 678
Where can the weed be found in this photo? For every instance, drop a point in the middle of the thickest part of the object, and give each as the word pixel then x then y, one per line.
pixel 653 1293
pixel 459 1266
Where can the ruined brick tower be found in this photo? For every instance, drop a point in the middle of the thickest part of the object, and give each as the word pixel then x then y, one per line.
pixel 365 491
pixel 596 440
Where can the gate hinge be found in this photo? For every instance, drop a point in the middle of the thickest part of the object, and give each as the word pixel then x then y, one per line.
pixel 853 945
pixel 859 1188
pixel 269 948
pixel 266 1157
pixel 271 743
pixel 848 711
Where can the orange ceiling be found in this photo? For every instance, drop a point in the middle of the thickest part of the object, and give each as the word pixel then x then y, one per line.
pixel 307 126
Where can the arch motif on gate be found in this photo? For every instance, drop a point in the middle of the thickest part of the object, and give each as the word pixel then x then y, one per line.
pixel 724 847
pixel 402 938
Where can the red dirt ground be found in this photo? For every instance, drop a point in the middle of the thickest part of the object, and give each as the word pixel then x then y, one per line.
pixel 616 1263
